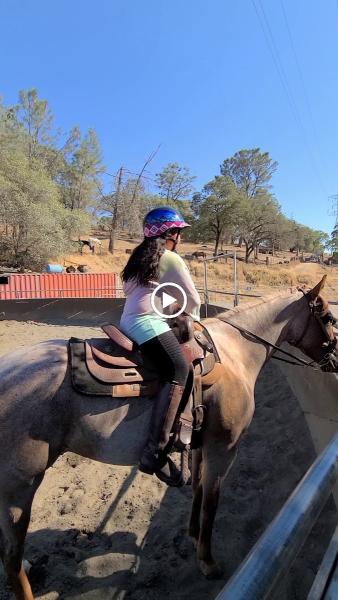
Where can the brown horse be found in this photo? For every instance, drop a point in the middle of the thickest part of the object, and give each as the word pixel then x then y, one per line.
pixel 41 416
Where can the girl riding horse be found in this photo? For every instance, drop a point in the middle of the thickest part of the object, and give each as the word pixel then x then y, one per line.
pixel 156 261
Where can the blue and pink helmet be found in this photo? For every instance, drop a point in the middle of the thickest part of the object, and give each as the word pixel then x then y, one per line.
pixel 161 219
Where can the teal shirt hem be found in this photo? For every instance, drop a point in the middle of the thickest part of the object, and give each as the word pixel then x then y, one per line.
pixel 142 328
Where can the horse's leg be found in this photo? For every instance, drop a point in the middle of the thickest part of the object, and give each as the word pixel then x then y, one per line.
pixel 14 520
pixel 217 461
pixel 194 524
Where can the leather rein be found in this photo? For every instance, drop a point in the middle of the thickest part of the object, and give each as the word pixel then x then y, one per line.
pixel 323 319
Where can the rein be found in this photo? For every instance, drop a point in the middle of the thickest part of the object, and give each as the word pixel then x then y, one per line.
pixel 322 318
pixel 300 363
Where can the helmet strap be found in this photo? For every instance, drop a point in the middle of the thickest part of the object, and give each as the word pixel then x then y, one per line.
pixel 174 239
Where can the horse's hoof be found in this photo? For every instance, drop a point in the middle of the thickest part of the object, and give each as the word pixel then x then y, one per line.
pixel 210 570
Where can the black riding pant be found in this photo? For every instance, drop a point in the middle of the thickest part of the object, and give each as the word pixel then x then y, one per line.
pixel 167 356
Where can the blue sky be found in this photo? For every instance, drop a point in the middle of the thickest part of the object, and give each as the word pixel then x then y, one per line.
pixel 203 79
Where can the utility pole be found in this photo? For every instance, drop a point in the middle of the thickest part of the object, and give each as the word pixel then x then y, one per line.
pixel 116 209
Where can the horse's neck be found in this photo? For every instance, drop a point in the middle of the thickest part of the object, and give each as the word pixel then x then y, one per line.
pixel 270 320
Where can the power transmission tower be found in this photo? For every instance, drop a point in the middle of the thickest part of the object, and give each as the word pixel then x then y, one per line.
pixel 334 212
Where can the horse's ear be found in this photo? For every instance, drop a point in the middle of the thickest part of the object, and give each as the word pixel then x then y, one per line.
pixel 314 293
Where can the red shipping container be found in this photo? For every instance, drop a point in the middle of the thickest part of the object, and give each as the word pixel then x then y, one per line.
pixel 58 285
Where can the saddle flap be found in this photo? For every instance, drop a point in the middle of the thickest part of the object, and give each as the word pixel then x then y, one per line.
pixel 115 334
pixel 115 374
pixel 116 361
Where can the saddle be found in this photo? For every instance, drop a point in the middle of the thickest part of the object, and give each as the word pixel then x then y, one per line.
pixel 116 366
pixel 120 361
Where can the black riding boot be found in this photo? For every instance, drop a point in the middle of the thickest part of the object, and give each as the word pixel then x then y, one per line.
pixel 154 458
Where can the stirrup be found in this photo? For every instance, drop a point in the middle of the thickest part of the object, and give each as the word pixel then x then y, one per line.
pixel 173 476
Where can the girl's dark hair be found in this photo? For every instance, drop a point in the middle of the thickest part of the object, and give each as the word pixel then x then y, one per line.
pixel 144 262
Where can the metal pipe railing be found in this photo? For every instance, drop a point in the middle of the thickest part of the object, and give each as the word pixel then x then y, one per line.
pixel 275 551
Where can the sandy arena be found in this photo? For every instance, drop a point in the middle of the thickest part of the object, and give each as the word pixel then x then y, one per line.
pixel 100 532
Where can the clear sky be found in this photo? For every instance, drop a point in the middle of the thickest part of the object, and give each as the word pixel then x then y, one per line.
pixel 202 78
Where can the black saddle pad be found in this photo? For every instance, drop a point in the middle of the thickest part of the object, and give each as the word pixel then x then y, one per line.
pixel 84 382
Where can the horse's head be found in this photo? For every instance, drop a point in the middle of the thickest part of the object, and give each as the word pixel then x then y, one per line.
pixel 313 332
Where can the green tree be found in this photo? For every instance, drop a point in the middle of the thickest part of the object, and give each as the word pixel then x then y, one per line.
pixel 332 244
pixel 83 173
pixel 256 220
pixel 175 183
pixel 35 226
pixel 216 209
pixel 250 170
pixel 73 161
pixel 37 119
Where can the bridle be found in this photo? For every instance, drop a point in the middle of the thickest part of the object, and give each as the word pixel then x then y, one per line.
pixel 323 318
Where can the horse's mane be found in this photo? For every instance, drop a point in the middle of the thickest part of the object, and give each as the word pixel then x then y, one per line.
pixel 255 303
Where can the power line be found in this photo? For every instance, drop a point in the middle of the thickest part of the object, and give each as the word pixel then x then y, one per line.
pixel 129 173
pixel 275 56
pixel 143 176
pixel 294 104
pixel 270 41
pixel 300 74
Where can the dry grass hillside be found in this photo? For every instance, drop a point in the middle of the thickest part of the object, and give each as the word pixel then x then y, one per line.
pixel 253 278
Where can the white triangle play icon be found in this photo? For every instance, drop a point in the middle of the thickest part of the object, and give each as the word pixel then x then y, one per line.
pixel 160 300
pixel 167 300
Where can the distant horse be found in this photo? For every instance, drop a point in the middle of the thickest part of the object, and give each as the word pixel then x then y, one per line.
pixel 42 416
pixel 91 242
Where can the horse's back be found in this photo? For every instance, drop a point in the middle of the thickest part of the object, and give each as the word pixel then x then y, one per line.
pixel 27 373
pixel 30 421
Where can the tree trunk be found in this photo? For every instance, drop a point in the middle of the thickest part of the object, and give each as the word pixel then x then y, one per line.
pixel 217 242
pixel 111 240
pixel 248 251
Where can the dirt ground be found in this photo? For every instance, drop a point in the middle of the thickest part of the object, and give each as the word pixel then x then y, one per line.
pixel 101 532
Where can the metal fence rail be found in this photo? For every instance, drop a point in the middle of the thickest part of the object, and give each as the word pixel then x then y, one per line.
pixel 275 551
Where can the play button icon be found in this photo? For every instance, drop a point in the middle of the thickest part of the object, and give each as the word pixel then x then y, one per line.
pixel 167 300
pixel 164 296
